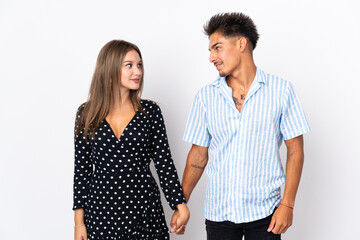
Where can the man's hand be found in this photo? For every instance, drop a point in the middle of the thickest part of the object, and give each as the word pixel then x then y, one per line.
pixel 281 220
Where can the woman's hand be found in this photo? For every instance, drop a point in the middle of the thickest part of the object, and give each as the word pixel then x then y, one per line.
pixel 179 219
pixel 80 233
pixel 80 228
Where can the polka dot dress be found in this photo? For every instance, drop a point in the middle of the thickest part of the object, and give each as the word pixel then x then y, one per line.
pixel 113 182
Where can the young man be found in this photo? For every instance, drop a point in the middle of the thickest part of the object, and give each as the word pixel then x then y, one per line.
pixel 241 120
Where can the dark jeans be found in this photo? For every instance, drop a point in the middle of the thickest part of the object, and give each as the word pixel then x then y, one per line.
pixel 226 230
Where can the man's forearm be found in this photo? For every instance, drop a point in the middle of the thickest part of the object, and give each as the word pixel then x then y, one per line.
pixel 294 165
pixel 195 165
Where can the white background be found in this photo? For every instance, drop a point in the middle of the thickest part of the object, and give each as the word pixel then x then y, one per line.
pixel 48 51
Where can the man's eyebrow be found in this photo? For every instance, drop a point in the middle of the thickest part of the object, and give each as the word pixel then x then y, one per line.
pixel 214 45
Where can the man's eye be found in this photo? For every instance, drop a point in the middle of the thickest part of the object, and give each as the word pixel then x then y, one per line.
pixel 217 48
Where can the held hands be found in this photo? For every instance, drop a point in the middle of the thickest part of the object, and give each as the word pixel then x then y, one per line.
pixel 80 233
pixel 281 220
pixel 179 219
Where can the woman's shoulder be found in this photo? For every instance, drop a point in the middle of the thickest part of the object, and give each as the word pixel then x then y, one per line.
pixel 149 105
pixel 151 108
pixel 80 109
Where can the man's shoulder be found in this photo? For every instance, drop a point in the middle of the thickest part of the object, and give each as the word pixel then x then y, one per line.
pixel 273 80
pixel 209 88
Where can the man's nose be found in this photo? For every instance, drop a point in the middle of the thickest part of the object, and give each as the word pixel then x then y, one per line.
pixel 212 57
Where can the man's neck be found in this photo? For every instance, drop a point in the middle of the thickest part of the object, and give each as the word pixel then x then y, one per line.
pixel 242 78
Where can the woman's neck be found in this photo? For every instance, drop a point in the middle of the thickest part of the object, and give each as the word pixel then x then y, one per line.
pixel 122 101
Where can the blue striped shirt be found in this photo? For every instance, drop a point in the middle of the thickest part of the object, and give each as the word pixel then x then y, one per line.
pixel 245 171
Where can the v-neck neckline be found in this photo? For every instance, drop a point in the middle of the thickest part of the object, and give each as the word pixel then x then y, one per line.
pixel 126 127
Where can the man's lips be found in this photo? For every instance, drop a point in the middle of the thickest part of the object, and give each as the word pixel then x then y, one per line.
pixel 217 65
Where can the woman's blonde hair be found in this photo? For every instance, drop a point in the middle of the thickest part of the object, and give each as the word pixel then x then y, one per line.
pixel 105 81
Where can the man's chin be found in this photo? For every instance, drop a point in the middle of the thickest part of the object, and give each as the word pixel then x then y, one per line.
pixel 222 74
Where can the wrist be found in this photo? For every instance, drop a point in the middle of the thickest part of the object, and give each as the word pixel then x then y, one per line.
pixel 182 207
pixel 78 223
pixel 186 196
pixel 287 206
pixel 79 226
pixel 287 201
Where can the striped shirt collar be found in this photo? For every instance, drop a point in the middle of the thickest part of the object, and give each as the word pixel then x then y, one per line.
pixel 259 78
pixel 221 84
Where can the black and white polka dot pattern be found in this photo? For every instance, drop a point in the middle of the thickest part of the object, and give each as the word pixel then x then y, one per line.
pixel 114 185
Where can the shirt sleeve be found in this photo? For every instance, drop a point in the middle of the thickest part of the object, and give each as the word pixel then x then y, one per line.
pixel 196 131
pixel 164 165
pixel 83 168
pixel 293 121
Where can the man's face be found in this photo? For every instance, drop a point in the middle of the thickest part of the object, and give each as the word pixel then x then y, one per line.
pixel 224 53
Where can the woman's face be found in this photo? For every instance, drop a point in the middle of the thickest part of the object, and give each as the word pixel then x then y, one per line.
pixel 131 72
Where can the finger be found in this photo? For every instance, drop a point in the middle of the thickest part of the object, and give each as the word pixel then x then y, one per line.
pixel 276 229
pixel 181 222
pixel 284 229
pixel 174 217
pixel 173 229
pixel 272 224
pixel 173 221
pixel 181 230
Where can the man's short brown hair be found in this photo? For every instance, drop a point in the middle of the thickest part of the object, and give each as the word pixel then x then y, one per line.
pixel 231 25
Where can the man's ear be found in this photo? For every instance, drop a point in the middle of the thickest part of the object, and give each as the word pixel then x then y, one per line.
pixel 242 43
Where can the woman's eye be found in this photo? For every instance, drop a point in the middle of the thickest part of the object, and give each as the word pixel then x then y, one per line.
pixel 128 65
pixel 139 65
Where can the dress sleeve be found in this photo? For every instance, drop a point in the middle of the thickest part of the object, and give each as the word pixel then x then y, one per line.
pixel 164 165
pixel 83 168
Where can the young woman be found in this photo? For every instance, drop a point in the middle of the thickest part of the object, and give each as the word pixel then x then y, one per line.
pixel 116 136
